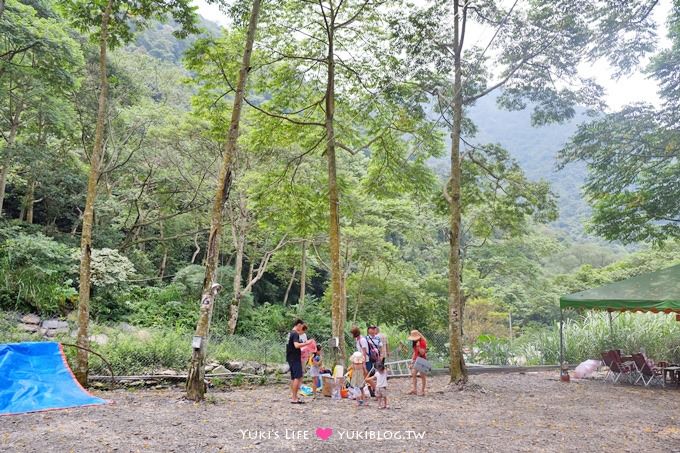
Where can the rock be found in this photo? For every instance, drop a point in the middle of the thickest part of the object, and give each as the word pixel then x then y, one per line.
pixel 29 327
pixel 271 369
pixel 30 319
pixel 167 373
pixel 74 333
pixel 220 370
pixel 54 324
pixel 99 338
pixel 134 384
pixel 234 366
pixel 247 369
pixel 211 366
pixel 283 368
pixel 254 365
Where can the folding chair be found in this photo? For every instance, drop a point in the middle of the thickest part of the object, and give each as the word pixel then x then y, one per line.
pixel 647 372
pixel 612 359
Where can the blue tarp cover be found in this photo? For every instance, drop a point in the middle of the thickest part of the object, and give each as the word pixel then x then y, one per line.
pixel 36 377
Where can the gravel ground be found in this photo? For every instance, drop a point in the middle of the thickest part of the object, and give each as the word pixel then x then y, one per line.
pixel 516 412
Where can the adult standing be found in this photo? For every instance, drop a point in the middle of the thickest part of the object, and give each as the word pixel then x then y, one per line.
pixel 294 359
pixel 361 343
pixel 375 348
pixel 419 350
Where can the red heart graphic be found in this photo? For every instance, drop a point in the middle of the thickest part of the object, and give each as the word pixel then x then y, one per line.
pixel 324 433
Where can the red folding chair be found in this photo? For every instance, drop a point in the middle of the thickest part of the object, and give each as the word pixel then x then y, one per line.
pixel 647 371
pixel 617 369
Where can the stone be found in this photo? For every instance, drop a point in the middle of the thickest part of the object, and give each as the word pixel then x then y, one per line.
pixel 253 365
pixel 234 365
pixel 54 324
pixel 99 338
pixel 220 370
pixel 283 368
pixel 167 372
pixel 29 327
pixel 30 319
pixel 211 366
pixel 248 369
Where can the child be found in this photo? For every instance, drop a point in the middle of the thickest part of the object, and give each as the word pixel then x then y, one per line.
pixel 358 379
pixel 381 385
pixel 315 368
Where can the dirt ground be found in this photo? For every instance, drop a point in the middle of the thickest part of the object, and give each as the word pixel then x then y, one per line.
pixel 517 412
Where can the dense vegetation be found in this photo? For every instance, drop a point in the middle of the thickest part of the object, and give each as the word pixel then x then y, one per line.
pixel 169 106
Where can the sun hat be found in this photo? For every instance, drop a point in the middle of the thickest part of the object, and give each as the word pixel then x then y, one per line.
pixel 414 336
pixel 357 357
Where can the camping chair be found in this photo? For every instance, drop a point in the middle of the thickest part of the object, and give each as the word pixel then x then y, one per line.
pixel 646 370
pixel 612 359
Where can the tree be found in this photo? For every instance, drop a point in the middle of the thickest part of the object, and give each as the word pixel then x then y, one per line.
pixel 633 159
pixel 195 381
pixel 39 62
pixel 533 46
pixel 322 92
pixel 112 23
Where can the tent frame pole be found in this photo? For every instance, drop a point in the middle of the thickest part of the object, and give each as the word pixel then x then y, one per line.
pixel 561 340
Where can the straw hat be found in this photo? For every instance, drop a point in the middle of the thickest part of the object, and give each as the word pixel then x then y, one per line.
pixel 414 336
pixel 357 357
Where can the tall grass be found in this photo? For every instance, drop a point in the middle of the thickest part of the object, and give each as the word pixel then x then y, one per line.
pixel 585 338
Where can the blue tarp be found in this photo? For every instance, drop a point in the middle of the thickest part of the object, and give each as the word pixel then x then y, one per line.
pixel 36 377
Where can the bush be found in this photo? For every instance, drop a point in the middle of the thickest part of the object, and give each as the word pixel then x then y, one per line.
pixel 36 275
pixel 167 306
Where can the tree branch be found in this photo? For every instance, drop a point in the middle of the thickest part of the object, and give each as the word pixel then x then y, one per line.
pixel 283 117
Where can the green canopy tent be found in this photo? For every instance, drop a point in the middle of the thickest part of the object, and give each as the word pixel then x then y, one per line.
pixel 656 292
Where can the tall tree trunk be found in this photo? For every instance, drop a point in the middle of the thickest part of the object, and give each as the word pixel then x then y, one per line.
pixel 81 370
pixel 290 285
pixel 11 138
pixel 337 314
pixel 3 183
pixel 164 260
pixel 196 379
pixel 197 250
pixel 457 364
pixel 240 240
pixel 303 276
pixel 164 264
pixel 30 197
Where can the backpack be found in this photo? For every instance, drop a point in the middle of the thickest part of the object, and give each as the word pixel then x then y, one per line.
pixel 373 351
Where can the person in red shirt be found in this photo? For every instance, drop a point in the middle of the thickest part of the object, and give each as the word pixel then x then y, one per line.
pixel 419 350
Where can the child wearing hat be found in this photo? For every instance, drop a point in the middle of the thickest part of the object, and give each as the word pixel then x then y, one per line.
pixel 358 379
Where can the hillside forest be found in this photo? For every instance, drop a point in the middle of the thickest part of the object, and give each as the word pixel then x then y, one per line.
pixel 373 165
